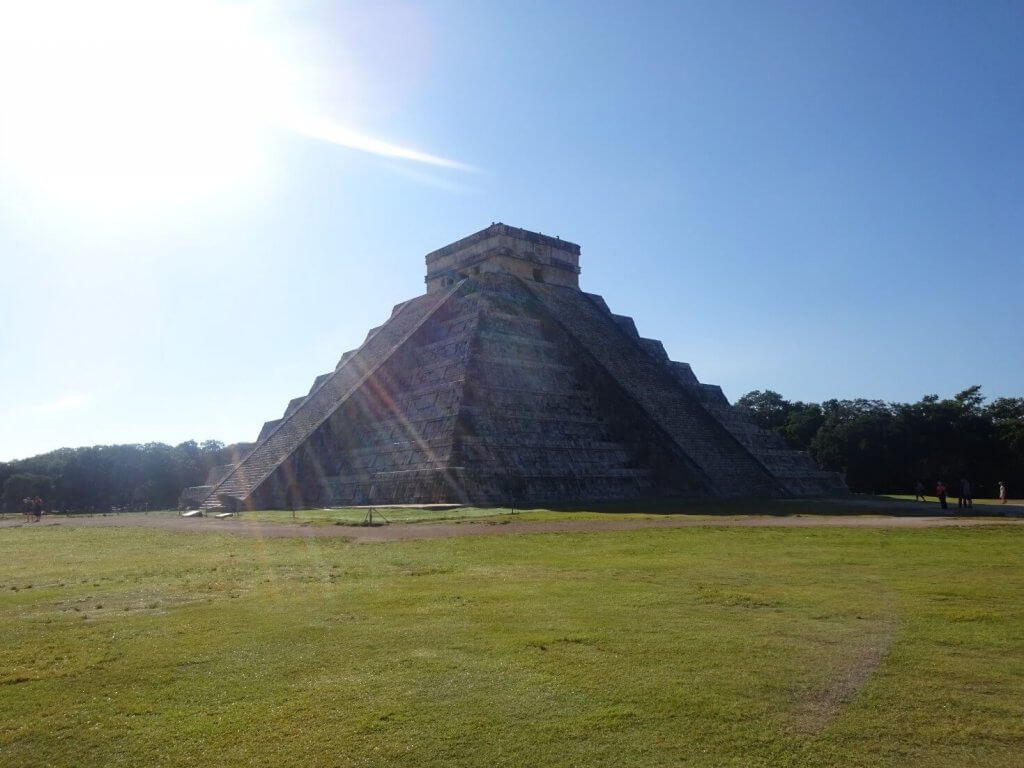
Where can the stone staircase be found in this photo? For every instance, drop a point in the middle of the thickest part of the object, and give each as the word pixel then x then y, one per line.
pixel 281 441
pixel 636 366
pixel 538 415
pixel 795 470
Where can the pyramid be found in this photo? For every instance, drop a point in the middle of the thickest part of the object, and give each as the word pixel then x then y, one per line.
pixel 505 382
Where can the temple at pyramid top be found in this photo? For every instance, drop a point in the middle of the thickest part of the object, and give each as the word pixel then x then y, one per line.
pixel 501 248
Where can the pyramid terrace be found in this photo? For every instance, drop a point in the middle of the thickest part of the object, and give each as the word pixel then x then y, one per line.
pixel 505 382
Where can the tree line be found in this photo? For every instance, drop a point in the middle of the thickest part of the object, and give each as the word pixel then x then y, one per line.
pixel 102 477
pixel 878 447
pixel 884 447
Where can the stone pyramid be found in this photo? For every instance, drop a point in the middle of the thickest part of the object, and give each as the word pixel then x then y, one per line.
pixel 506 382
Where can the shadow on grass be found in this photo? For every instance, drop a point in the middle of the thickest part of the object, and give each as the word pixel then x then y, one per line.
pixel 729 507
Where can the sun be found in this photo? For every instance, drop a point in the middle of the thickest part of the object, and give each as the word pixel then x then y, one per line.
pixel 116 103
pixel 121 104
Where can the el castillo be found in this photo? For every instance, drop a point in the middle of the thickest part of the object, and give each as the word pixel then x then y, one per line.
pixel 505 381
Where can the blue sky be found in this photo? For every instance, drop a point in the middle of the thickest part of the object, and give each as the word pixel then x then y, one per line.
pixel 202 205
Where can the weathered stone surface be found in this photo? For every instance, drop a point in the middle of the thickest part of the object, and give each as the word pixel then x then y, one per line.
pixel 508 250
pixel 268 427
pixel 626 323
pixel 192 497
pixel 293 406
pixel 505 382
pixel 318 381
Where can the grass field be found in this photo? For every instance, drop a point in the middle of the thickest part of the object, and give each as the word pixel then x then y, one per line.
pixel 853 505
pixel 701 646
pixel 429 514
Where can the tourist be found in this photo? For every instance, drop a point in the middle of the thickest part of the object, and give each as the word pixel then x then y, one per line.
pixel 940 491
pixel 919 491
pixel 965 494
pixel 1002 491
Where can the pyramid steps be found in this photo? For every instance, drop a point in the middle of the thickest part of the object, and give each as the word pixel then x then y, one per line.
pixel 505 381
pixel 269 453
pixel 511 402
pixel 710 446
pixel 531 409
pixel 795 470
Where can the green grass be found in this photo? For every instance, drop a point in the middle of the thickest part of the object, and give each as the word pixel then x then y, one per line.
pixel 350 515
pixel 356 515
pixel 699 646
pixel 703 508
pixel 400 515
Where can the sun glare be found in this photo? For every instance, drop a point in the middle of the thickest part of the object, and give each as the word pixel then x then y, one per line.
pixel 131 103
pixel 125 103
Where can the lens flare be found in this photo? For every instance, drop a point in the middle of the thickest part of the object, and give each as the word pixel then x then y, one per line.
pixel 123 104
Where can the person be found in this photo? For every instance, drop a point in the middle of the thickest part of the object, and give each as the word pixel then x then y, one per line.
pixel 919 491
pixel 26 509
pixel 965 494
pixel 940 491
pixel 1002 491
pixel 37 506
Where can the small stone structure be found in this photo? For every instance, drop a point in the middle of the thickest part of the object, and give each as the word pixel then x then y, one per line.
pixel 192 497
pixel 505 250
pixel 505 381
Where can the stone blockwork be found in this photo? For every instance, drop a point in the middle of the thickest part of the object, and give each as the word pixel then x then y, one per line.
pixel 540 416
pixel 192 497
pixel 794 470
pixel 641 368
pixel 506 382
pixel 278 447
pixel 507 250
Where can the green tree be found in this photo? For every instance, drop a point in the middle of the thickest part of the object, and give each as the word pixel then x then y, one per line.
pixel 18 486
pixel 802 423
pixel 769 409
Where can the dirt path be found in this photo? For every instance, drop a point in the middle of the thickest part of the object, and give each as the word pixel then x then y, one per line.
pixel 506 526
